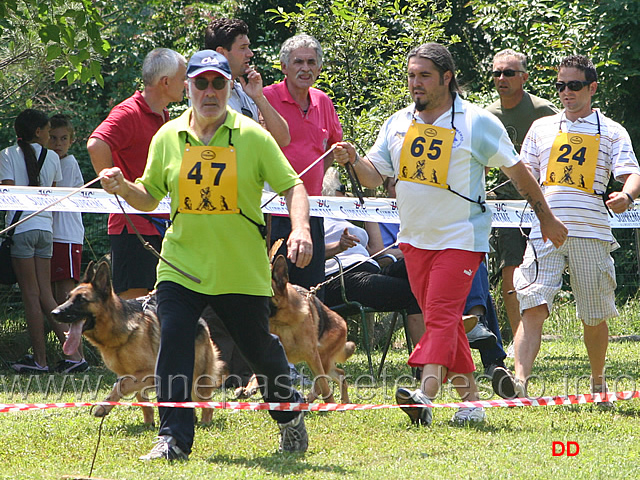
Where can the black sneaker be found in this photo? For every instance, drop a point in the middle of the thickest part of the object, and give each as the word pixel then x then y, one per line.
pixel 165 449
pixel 418 416
pixel 503 382
pixel 293 435
pixel 28 365
pixel 71 366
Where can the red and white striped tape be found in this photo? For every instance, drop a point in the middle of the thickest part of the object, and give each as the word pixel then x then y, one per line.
pixel 333 407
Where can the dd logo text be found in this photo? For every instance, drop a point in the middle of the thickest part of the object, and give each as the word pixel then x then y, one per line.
pixel 570 449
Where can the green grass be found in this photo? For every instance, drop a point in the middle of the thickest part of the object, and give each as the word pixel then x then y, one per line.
pixel 380 444
pixel 514 443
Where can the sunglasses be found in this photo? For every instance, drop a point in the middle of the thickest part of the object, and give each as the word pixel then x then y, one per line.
pixel 217 83
pixel 574 85
pixel 506 73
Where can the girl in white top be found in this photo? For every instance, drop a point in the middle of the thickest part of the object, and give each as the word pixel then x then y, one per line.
pixel 32 240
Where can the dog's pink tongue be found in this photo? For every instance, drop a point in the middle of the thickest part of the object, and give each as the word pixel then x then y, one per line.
pixel 74 336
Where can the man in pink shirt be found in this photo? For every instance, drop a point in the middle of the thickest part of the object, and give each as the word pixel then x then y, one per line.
pixel 122 140
pixel 313 126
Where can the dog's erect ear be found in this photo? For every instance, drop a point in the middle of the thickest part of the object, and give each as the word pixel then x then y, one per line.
pixel 89 273
pixel 274 249
pixel 280 274
pixel 102 280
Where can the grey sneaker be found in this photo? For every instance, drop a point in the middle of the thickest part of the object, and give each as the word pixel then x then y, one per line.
pixel 418 415
pixel 467 415
pixel 293 435
pixel 606 404
pixel 480 337
pixel 165 448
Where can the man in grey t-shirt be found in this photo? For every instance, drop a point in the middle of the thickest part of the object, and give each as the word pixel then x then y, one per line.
pixel 516 109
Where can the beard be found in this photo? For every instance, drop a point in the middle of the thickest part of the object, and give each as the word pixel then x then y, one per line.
pixel 420 106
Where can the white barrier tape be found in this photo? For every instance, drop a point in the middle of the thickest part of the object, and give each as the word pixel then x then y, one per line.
pixel 333 407
pixel 506 213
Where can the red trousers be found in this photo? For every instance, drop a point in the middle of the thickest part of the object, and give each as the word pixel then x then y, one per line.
pixel 440 280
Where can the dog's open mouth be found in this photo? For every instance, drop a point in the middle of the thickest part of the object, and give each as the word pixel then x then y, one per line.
pixel 74 337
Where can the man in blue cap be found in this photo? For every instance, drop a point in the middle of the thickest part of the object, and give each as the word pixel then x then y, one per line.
pixel 213 162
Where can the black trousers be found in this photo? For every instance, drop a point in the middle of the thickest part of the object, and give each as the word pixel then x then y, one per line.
pixel 312 274
pixel 385 290
pixel 246 319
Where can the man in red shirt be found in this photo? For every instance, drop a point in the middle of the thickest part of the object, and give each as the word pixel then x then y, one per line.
pixel 122 140
pixel 313 126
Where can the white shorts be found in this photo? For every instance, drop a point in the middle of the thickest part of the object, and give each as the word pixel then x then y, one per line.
pixel 592 272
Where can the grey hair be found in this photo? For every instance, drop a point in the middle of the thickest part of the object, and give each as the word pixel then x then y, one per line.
pixel 508 52
pixel 161 62
pixel 299 41
pixel 331 182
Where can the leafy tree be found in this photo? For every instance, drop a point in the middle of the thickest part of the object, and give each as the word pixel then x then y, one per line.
pixel 365 45
pixel 548 30
pixel 48 40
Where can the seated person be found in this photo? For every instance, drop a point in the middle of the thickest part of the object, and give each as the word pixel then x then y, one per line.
pixel 383 289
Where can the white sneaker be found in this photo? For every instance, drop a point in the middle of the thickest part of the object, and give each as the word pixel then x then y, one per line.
pixel 520 388
pixel 511 351
pixel 165 448
pixel 467 415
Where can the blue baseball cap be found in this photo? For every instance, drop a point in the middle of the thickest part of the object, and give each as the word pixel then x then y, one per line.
pixel 208 61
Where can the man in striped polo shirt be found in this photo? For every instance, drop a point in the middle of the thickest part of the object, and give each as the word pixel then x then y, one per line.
pixel 573 154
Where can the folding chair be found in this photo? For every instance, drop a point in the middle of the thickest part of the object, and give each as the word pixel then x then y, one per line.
pixel 352 308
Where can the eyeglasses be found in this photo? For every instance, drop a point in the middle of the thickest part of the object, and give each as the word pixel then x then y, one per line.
pixel 217 83
pixel 574 85
pixel 506 73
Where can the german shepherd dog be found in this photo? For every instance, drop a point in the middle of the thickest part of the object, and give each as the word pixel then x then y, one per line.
pixel 128 337
pixel 309 331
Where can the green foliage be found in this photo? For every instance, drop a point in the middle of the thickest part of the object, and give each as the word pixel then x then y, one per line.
pixel 64 34
pixel 365 44
pixel 548 30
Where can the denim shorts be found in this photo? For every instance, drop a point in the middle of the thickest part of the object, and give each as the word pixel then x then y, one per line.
pixel 34 243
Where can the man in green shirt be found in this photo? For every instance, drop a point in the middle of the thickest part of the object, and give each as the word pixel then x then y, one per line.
pixel 517 110
pixel 213 162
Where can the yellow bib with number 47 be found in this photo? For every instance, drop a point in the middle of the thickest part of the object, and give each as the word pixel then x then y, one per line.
pixel 208 181
pixel 573 160
pixel 425 155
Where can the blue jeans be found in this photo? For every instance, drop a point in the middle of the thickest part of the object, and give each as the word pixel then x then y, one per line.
pixel 246 317
pixel 480 295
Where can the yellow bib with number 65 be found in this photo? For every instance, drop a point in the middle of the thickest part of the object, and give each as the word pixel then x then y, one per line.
pixel 573 160
pixel 425 155
pixel 208 180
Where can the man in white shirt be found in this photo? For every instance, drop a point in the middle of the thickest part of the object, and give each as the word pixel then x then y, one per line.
pixel 573 155
pixel 438 148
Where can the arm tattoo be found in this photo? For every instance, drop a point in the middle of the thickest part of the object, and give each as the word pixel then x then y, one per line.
pixel 537 206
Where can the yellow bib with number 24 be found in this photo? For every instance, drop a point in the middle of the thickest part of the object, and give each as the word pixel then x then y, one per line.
pixel 573 160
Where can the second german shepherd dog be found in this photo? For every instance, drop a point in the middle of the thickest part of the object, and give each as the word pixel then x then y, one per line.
pixel 128 337
pixel 309 331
